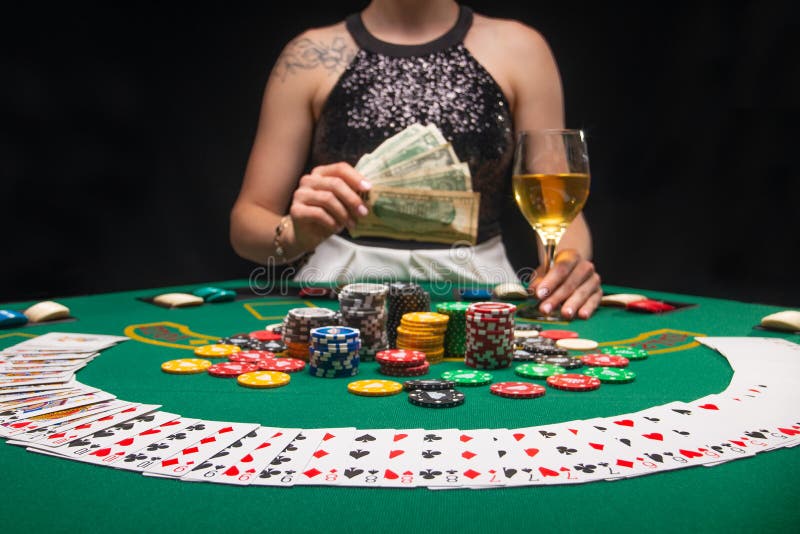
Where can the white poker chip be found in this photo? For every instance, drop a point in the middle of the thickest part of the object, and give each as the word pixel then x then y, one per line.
pixel 787 320
pixel 46 311
pixel 177 300
pixel 526 333
pixel 510 290
pixel 577 343
pixel 620 299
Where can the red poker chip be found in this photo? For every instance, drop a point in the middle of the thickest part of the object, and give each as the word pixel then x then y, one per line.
pixel 485 318
pixel 517 390
pixel 230 369
pixel 400 358
pixel 314 292
pixel 605 360
pixel 285 365
pixel 649 306
pixel 251 356
pixel 265 335
pixel 573 382
pixel 418 370
pixel 555 335
pixel 492 308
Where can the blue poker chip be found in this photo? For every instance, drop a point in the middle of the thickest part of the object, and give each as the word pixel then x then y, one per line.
pixel 476 294
pixel 11 318
pixel 334 334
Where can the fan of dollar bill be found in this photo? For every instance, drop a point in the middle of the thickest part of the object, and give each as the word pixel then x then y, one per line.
pixel 421 190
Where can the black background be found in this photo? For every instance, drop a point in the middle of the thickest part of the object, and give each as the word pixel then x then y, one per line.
pixel 124 133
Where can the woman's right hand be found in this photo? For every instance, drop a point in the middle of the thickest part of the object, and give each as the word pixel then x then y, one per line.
pixel 326 201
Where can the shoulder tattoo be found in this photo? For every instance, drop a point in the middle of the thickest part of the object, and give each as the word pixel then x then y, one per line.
pixel 307 54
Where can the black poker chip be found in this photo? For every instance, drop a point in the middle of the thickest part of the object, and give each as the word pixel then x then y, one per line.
pixel 272 346
pixel 567 362
pixel 240 340
pixel 527 326
pixel 428 385
pixel 522 355
pixel 446 398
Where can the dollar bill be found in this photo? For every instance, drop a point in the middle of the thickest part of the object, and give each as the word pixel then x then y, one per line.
pixel 437 157
pixel 453 178
pixel 401 147
pixel 420 215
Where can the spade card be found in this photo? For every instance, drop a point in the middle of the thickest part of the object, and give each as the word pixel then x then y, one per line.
pixel 285 467
pixel 8 417
pixel 126 444
pixel 325 465
pixel 366 457
pixel 246 468
pixel 180 435
pixel 98 422
pixel 100 443
pixel 219 434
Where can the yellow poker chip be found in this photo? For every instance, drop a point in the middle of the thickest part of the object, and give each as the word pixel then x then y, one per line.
pixel 426 318
pixel 216 351
pixel 185 366
pixel 374 388
pixel 263 379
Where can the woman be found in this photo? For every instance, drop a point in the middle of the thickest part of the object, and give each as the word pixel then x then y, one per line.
pixel 337 92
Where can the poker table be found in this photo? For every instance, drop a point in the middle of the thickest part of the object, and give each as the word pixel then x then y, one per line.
pixel 41 493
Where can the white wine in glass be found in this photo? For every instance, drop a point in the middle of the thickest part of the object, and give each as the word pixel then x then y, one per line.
pixel 551 182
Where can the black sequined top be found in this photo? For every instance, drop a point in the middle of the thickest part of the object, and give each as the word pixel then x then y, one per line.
pixel 388 87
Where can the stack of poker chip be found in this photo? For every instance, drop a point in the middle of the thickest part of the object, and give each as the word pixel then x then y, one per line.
pixel 423 331
pixel 490 335
pixel 334 352
pixel 455 339
pixel 404 297
pixel 297 326
pixel 363 307
pixel 401 362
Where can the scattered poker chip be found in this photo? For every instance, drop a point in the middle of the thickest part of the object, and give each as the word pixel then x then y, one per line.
pixel 228 369
pixel 576 343
pixel 223 295
pixel 632 353
pixel 272 346
pixel 555 335
pixel 428 385
pixel 400 358
pixel 242 341
pixel 265 335
pixel 11 318
pixel 468 377
pixel 611 375
pixel 274 327
pixel 527 326
pixel 251 356
pixel 510 291
pixel 525 333
pixel 620 299
pixel 517 390
pixel 185 366
pixel 417 370
pixel 447 398
pixel 538 370
pixel 177 300
pixel 522 355
pixel 286 365
pixel 374 388
pixel 216 350
pixel 263 379
pixel 567 362
pixel 573 382
pixel 315 292
pixel 206 291
pixel 46 311
pixel 605 360
pixel 649 306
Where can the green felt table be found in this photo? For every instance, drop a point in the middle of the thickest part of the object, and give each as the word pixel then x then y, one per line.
pixel 41 493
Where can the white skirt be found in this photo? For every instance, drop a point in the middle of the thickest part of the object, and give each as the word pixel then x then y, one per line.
pixel 337 259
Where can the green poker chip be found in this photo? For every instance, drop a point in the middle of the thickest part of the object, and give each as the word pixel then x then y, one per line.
pixel 206 291
pixel 632 353
pixel 538 370
pixel 468 377
pixel 223 295
pixel 612 375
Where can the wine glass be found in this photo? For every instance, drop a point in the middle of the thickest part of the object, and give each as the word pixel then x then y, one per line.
pixel 551 182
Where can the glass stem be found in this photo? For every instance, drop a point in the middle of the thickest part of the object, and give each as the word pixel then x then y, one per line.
pixel 549 253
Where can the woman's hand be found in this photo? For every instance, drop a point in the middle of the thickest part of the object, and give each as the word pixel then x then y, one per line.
pixel 571 284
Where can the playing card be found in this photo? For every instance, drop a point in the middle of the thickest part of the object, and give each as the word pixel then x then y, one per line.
pixel 40 426
pixel 138 460
pixel 435 466
pixel 219 434
pixel 366 456
pixel 243 459
pixel 401 460
pixel 284 468
pixel 98 422
pixel 8 417
pixel 475 462
pixel 324 466
pixel 43 397
pixel 66 342
pixel 99 445
pixel 16 390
